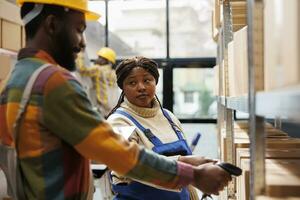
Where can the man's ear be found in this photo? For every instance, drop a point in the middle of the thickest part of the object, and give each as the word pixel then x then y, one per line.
pixel 52 25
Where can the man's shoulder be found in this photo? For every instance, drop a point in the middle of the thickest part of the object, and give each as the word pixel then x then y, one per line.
pixel 53 74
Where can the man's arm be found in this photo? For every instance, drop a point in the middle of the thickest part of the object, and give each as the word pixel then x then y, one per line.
pixel 68 114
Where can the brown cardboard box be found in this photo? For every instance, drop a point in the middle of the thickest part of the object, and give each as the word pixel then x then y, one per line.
pixel 216 80
pixel 11 22
pixel 274 198
pixel 11 35
pixel 241 61
pixel 5 67
pixel 217 72
pixel 10 11
pixel 282 43
pixel 282 178
pixel 217 14
pixel 232 81
pixel 0 33
pixel 239 14
pixel 243 153
pixel 214 30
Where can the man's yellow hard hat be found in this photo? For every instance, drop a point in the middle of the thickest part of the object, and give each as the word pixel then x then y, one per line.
pixel 108 54
pixel 79 5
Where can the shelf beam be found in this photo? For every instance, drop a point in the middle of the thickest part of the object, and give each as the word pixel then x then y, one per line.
pixel 283 104
pixel 256 123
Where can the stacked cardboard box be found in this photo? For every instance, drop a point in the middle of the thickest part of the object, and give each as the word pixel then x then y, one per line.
pixel 12 37
pixel 12 34
pixel 282 43
pixel 238 65
pixel 216 80
pixel 216 19
pixel 239 14
pixel 280 149
pixel 282 178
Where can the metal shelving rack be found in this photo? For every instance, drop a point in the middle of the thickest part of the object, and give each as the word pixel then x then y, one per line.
pixel 281 104
pixel 247 103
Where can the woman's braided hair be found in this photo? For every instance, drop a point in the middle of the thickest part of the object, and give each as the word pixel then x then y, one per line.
pixel 126 66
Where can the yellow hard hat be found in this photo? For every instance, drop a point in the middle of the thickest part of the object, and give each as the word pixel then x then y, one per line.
pixel 80 5
pixel 107 53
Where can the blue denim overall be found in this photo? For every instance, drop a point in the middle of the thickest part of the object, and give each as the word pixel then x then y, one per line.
pixel 139 191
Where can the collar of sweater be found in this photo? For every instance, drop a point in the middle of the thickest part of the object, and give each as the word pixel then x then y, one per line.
pixel 141 111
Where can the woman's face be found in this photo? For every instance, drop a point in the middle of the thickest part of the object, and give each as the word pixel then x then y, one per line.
pixel 139 87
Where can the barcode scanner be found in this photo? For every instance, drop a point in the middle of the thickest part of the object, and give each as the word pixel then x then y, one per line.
pixel 230 168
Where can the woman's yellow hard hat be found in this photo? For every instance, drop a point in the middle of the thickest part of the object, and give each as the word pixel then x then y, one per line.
pixel 79 5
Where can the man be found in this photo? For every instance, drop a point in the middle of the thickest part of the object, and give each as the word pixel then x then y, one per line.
pixel 60 132
pixel 104 93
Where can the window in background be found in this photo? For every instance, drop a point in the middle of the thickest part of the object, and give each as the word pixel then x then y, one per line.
pixel 208 143
pixel 190 29
pixel 138 27
pixel 193 93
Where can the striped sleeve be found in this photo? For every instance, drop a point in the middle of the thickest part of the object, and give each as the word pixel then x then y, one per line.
pixel 69 114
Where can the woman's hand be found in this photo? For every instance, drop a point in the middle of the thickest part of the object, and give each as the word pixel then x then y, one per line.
pixel 196 160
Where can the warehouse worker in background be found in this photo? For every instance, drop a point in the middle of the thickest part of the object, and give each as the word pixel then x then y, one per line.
pixel 60 132
pixel 104 93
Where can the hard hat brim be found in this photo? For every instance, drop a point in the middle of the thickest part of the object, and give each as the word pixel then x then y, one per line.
pixel 91 16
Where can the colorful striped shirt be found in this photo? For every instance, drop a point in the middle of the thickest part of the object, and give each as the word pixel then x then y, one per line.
pixel 60 133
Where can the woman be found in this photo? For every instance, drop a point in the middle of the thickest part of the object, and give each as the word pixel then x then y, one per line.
pixel 156 128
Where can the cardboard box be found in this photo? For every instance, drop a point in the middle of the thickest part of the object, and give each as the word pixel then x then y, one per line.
pixel 5 68
pixel 216 81
pixel 217 14
pixel 10 11
pixel 232 81
pixel 274 198
pixel 11 36
pixel 282 43
pixel 241 61
pixel 214 29
pixel 282 178
pixel 239 14
pixel 0 33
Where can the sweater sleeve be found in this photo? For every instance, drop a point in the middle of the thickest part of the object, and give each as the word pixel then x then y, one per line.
pixel 68 113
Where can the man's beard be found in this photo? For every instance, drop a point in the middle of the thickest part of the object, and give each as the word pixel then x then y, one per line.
pixel 64 55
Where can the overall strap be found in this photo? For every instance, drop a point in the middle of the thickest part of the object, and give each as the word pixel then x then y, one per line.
pixel 26 96
pixel 174 127
pixel 155 141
